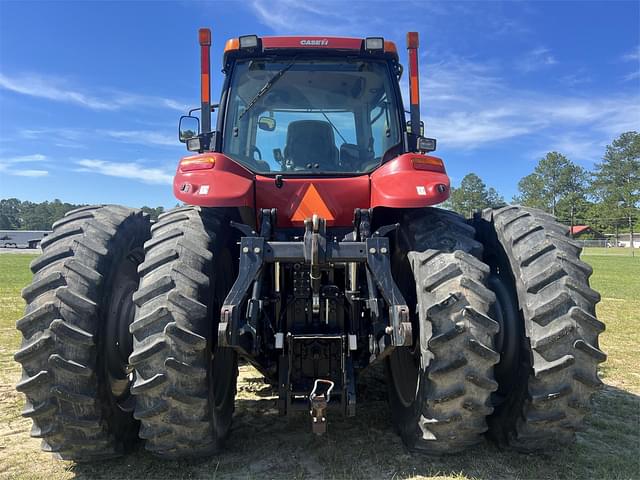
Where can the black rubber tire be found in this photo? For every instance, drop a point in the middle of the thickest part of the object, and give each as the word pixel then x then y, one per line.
pixel 64 376
pixel 560 353
pixel 439 402
pixel 185 393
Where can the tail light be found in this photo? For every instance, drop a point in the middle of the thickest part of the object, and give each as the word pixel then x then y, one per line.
pixel 432 164
pixel 197 162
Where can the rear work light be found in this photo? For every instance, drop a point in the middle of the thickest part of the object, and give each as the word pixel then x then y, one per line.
pixel 432 164
pixel 374 44
pixel 426 144
pixel 248 41
pixel 197 162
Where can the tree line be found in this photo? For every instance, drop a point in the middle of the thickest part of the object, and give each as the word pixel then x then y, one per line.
pixel 606 198
pixel 25 215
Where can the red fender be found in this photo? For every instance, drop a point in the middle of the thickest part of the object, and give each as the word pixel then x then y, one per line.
pixel 410 181
pixel 213 180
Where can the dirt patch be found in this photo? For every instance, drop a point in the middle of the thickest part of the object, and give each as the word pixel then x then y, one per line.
pixel 265 445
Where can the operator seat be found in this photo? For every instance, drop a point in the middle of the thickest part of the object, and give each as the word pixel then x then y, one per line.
pixel 311 143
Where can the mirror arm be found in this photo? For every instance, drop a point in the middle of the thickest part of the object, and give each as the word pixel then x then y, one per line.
pixel 197 109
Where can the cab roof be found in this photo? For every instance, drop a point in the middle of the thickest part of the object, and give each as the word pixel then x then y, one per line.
pixel 306 43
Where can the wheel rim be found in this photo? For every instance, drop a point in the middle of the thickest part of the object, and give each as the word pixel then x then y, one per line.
pixel 222 359
pixel 506 313
pixel 404 361
pixel 404 373
pixel 118 343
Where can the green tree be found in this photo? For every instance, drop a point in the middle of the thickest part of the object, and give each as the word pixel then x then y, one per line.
pixel 153 212
pixel 9 214
pixel 472 195
pixel 556 185
pixel 616 182
pixel 26 215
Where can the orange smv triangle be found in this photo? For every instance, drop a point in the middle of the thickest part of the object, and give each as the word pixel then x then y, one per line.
pixel 312 203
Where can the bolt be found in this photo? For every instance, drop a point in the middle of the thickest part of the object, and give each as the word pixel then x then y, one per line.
pixel 256 250
pixel 388 330
pixel 372 250
pixel 245 249
pixel 383 250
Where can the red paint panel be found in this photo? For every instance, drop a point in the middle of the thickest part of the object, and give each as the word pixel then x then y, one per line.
pixel 398 184
pixel 227 184
pixel 340 196
pixel 341 43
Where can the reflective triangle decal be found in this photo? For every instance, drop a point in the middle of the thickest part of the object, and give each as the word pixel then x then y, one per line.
pixel 312 203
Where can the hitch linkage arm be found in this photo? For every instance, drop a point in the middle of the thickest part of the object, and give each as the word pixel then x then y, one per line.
pixel 316 251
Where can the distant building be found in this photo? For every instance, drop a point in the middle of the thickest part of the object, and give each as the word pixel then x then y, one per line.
pixel 22 238
pixel 624 239
pixel 585 231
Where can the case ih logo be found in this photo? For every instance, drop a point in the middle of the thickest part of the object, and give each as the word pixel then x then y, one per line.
pixel 314 43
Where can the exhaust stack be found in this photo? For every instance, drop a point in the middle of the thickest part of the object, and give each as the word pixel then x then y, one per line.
pixel 414 85
pixel 204 36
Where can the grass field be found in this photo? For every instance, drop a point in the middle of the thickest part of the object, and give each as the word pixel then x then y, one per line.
pixel 263 445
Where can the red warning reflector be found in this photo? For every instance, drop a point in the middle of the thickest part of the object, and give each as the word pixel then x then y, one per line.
pixel 312 203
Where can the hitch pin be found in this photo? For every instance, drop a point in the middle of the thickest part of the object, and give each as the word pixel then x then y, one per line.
pixel 319 406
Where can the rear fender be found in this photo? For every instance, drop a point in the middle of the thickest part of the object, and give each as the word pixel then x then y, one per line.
pixel 399 184
pixel 220 182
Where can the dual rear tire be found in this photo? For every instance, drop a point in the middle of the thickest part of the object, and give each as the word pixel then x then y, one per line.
pixel 184 384
pixel 506 339
pixel 118 337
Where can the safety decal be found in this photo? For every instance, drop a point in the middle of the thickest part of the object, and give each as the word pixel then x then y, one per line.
pixel 312 203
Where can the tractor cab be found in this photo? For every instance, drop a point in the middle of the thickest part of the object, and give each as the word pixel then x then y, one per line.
pixel 303 116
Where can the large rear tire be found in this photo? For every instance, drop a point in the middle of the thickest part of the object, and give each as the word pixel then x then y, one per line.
pixel 440 389
pixel 556 374
pixel 76 342
pixel 185 386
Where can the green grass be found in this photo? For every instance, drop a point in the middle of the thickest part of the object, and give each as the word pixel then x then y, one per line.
pixel 613 251
pixel 263 445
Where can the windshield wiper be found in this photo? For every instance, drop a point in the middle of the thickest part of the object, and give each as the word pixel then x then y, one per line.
pixel 266 87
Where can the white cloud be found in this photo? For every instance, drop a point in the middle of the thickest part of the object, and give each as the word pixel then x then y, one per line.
pixel 308 17
pixel 35 157
pixel 35 86
pixel 144 137
pixel 30 173
pixel 535 59
pixel 132 170
pixel 57 89
pixel 72 136
pixel 469 104
pixel 631 76
pixel 632 56
pixel 13 165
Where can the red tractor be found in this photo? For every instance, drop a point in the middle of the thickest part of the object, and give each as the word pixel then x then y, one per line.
pixel 309 247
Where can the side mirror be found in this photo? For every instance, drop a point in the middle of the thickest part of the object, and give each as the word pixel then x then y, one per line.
pixel 267 124
pixel 188 127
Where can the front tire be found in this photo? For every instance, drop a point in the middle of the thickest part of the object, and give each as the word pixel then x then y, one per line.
pixel 75 328
pixel 185 386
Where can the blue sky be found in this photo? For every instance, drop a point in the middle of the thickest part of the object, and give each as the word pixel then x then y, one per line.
pixel 90 92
